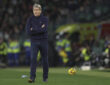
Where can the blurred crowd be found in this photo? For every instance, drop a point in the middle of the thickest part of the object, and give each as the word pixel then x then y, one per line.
pixel 89 52
pixel 14 13
pixel 63 51
pixel 13 16
pixel 75 11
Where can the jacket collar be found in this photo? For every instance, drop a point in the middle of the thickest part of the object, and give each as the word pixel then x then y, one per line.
pixel 38 16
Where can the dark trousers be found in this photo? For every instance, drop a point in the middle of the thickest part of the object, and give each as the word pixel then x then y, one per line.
pixel 3 58
pixel 42 46
pixel 13 59
pixel 27 57
pixel 10 59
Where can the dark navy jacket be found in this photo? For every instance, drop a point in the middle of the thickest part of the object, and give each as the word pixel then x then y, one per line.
pixel 37 31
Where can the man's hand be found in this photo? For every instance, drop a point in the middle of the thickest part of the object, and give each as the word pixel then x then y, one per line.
pixel 43 26
pixel 31 29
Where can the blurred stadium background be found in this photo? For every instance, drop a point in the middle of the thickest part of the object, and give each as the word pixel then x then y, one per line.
pixel 78 32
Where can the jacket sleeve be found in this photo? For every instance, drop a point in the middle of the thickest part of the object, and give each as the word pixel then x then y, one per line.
pixel 40 29
pixel 28 26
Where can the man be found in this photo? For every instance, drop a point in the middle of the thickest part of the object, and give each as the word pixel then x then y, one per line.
pixel 36 27
pixel 106 58
pixel 13 52
pixel 27 46
pixel 3 51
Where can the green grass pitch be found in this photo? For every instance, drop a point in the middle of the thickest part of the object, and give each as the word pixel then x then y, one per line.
pixel 57 76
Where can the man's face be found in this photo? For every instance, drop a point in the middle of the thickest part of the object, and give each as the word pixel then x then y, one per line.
pixel 36 11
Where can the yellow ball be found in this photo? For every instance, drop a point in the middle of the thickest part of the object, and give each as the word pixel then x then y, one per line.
pixel 71 71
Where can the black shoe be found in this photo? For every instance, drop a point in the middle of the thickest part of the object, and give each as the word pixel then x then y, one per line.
pixel 45 80
pixel 31 81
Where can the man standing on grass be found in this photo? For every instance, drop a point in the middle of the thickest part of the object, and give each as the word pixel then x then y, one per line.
pixel 36 28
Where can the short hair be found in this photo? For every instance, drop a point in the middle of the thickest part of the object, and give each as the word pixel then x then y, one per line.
pixel 37 6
